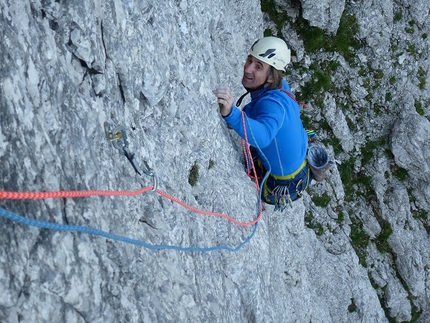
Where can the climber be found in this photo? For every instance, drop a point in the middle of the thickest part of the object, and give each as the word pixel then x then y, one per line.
pixel 273 126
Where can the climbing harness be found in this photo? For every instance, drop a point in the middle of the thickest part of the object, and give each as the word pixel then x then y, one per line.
pixel 118 136
pixel 282 196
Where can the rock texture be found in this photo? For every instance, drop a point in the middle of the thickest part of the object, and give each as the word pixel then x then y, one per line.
pixel 377 109
pixel 323 14
pixel 67 67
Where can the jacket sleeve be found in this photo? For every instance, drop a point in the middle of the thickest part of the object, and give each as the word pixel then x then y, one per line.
pixel 263 128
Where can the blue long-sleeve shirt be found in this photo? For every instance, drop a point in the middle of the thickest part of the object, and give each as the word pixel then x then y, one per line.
pixel 274 126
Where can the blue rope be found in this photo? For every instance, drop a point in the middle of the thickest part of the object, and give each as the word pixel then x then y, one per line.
pixel 76 228
pixel 81 229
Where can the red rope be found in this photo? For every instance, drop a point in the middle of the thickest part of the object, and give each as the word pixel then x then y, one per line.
pixel 291 95
pixel 67 194
pixel 248 155
pixel 74 194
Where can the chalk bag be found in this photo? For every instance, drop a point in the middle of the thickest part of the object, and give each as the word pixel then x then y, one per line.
pixel 318 162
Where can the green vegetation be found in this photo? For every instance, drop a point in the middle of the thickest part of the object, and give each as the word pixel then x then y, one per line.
pixel 332 140
pixel 355 183
pixel 312 224
pixel 400 173
pixel 388 153
pixel 319 230
pixel 382 239
pixel 378 74
pixel 314 38
pixel 359 241
pixel 398 16
pixel 319 83
pixel 419 107
pixel 340 217
pixel 411 49
pixel 410 29
pixel 372 79
pixel 335 143
pixel 352 307
pixel 388 97
pixel 422 216
pixel 322 200
pixel 368 150
pixel 330 66
pixel 268 33
pixel 278 18
pixel 211 163
pixel 381 292
pixel 194 174
pixel 307 122
pixel 421 78
pixel 345 171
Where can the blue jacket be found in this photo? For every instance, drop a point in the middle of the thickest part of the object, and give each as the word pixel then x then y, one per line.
pixel 273 126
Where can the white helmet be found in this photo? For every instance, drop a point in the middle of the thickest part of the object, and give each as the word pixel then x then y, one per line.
pixel 273 51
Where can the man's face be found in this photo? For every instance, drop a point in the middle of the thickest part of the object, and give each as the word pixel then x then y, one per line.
pixel 255 73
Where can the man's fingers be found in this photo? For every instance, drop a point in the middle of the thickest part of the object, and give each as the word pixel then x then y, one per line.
pixel 225 99
pixel 222 91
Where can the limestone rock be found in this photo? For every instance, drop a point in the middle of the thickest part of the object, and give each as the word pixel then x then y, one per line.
pixel 67 67
pixel 337 121
pixel 410 143
pixel 323 14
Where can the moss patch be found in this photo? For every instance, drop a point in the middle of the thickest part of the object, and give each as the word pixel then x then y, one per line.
pixel 359 241
pixel 344 42
pixel 369 148
pixel 211 164
pixel 322 200
pixel 194 174
pixel 312 224
pixel 382 239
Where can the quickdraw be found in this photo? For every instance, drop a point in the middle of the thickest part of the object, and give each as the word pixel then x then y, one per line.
pixel 311 135
pixel 118 136
pixel 282 196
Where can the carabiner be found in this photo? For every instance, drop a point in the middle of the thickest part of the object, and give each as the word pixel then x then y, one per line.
pixel 114 133
pixel 118 136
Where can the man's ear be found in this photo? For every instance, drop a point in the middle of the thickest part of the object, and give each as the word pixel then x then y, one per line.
pixel 270 78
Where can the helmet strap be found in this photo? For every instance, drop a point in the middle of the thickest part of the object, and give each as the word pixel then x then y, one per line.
pixel 239 102
pixel 249 90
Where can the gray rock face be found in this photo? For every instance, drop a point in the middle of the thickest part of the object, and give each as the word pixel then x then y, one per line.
pixel 323 14
pixel 67 67
pixel 410 145
pixel 381 95
pixel 337 121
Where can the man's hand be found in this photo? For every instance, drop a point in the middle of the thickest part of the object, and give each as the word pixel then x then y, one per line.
pixel 225 100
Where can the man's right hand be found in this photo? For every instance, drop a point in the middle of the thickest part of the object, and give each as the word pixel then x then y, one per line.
pixel 225 99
